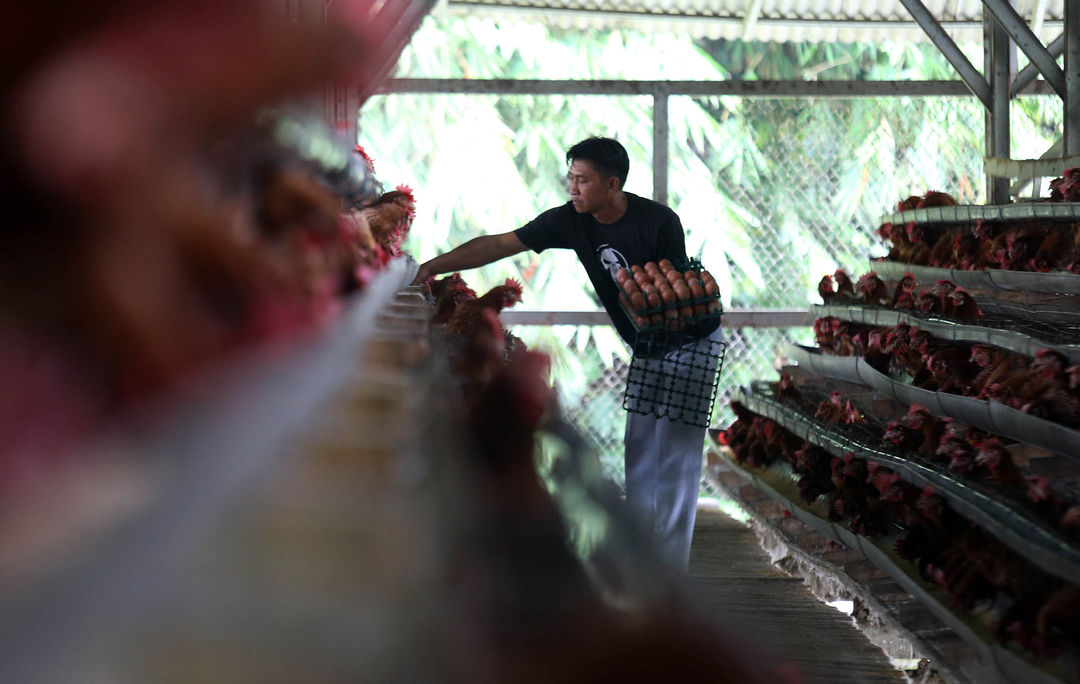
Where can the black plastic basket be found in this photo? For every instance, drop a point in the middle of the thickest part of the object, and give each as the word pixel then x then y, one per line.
pixel 676 374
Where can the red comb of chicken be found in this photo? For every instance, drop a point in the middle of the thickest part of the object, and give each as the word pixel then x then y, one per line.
pixel 1038 488
pixel 514 291
pixel 407 199
pixel 366 157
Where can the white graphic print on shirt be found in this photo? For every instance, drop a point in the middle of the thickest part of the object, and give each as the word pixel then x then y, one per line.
pixel 611 259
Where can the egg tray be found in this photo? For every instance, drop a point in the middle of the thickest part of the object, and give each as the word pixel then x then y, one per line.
pixel 676 375
pixel 690 329
pixel 689 322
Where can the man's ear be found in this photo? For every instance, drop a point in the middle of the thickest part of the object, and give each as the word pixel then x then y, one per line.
pixel 613 183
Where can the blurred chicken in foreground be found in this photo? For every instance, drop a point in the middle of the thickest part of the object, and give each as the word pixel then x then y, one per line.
pixel 151 227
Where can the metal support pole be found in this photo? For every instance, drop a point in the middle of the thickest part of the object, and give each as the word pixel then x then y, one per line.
pixel 1072 77
pixel 970 75
pixel 660 145
pixel 997 53
pixel 1005 14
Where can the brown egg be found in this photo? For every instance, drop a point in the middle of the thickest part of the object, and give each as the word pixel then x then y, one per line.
pixel 624 300
pixel 641 322
pixel 699 309
pixel 648 288
pixel 668 296
pixel 665 266
pixel 689 275
pixel 696 290
pixel 651 268
pixel 654 300
pixel 711 288
pixel 682 291
pixel 656 319
pixel 621 275
pixel 686 312
pixel 637 301
pixel 660 282
pixel 714 307
pixel 630 287
pixel 635 269
pixel 642 279
pixel 674 277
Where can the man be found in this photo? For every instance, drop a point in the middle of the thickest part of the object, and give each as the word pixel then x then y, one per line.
pixel 610 229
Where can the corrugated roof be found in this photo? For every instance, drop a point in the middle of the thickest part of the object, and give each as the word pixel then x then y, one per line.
pixel 774 20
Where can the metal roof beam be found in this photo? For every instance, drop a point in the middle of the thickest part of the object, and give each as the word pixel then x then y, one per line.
pixel 750 21
pixel 971 76
pixel 1014 25
pixel 1072 78
pixel 817 89
pixel 1028 74
pixel 888 24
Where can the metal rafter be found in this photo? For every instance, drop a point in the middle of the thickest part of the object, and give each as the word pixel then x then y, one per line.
pixel 1017 29
pixel 971 76
pixel 1072 77
pixel 1028 74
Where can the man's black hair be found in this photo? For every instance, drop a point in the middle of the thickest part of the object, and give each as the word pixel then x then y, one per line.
pixel 608 157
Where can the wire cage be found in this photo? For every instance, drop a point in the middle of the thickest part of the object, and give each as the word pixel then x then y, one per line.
pixel 675 373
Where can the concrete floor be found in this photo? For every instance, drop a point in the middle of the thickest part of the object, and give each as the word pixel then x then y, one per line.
pixel 732 580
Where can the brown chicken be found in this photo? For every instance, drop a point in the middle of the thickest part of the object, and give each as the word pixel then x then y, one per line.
pixel 873 289
pixel 934 198
pixel 468 313
pixel 941 254
pixel 440 286
pixel 844 286
pixel 482 354
pixel 447 303
pixel 960 304
pixel 995 363
pixel 904 286
pixel 832 409
pixel 390 218
pixel 1056 250
pixel 826 289
pixel 994 457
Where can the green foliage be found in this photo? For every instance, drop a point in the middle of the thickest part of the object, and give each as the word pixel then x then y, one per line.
pixel 773 193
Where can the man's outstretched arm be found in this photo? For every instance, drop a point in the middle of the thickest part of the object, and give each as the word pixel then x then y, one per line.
pixel 477 252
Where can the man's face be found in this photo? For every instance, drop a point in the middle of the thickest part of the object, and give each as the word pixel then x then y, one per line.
pixel 590 190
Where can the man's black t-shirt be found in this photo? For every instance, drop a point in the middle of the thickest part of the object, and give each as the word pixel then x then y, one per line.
pixel 648 231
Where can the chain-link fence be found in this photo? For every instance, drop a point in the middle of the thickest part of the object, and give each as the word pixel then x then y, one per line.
pixel 773 193
pixel 836 167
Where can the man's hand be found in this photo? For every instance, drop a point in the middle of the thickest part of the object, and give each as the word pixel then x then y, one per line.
pixel 425 272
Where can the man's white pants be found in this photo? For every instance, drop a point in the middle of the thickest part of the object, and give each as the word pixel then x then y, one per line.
pixel 663 456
